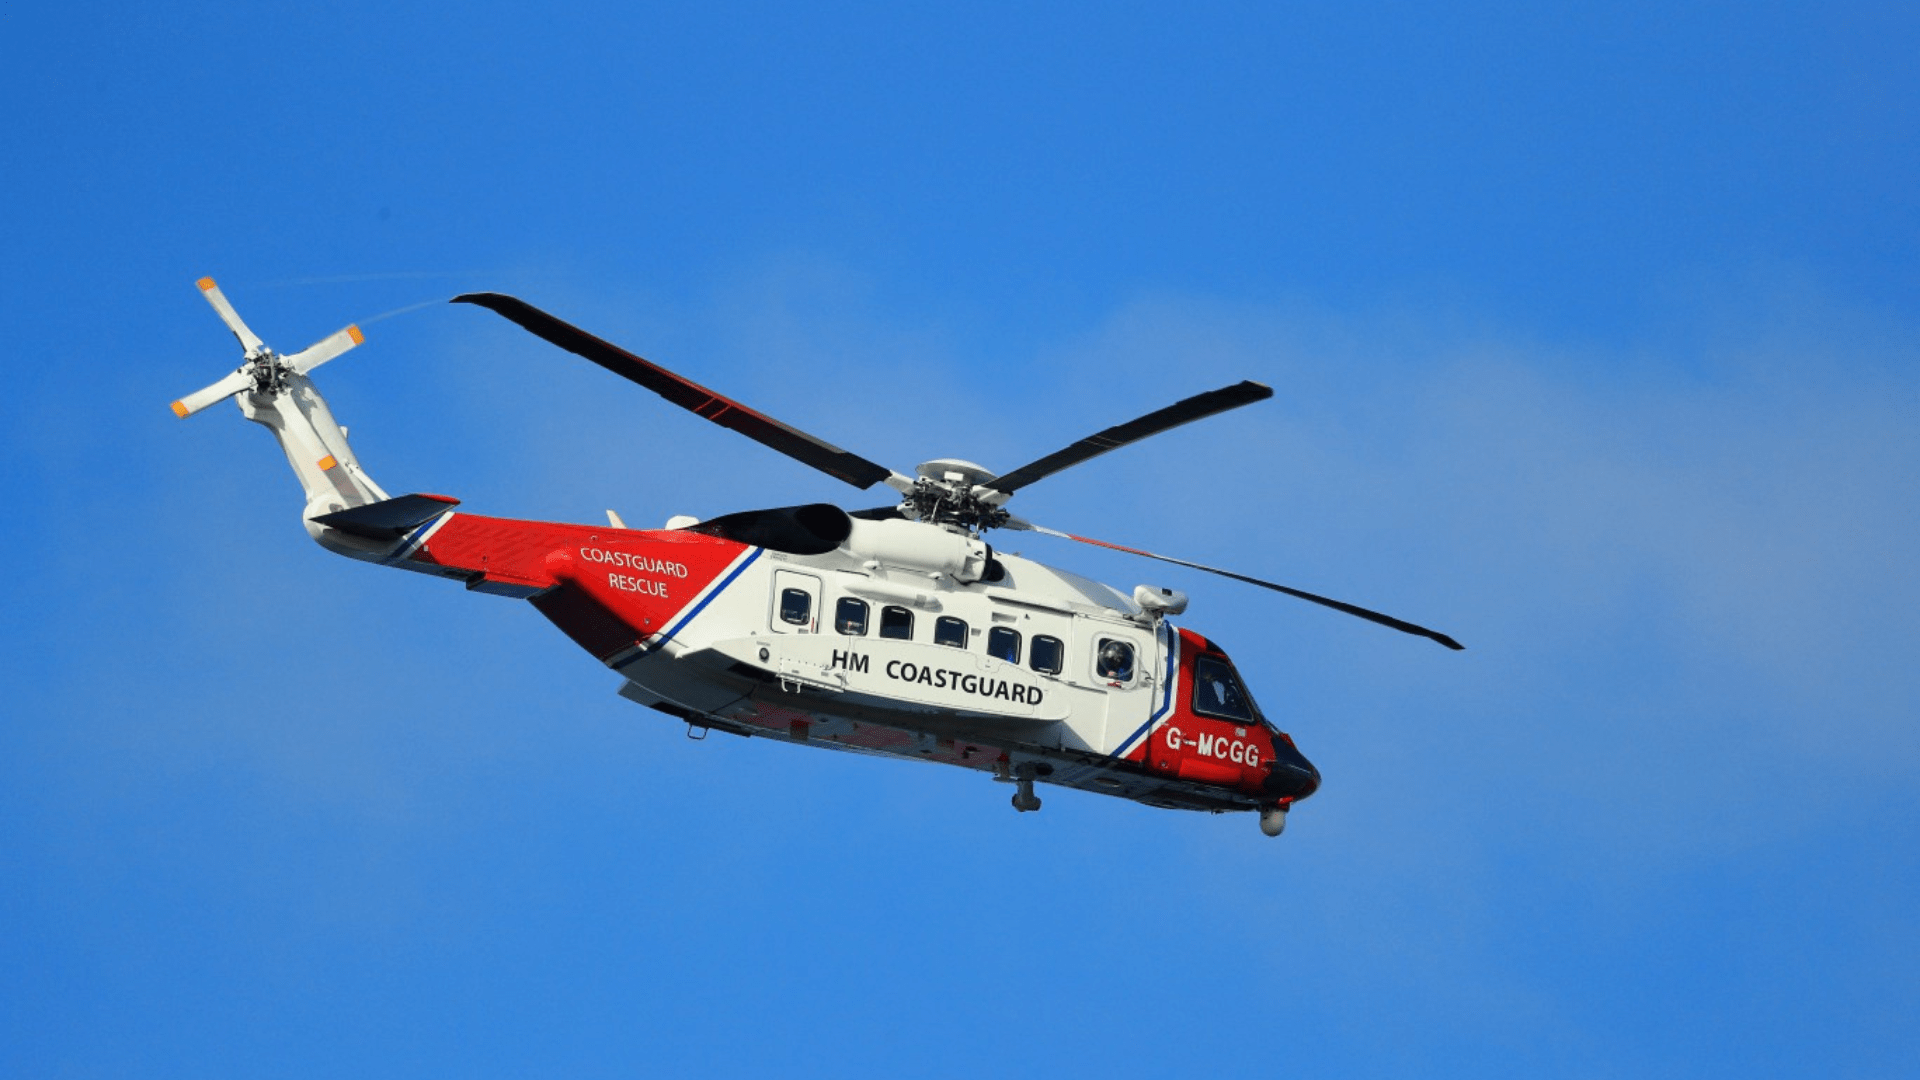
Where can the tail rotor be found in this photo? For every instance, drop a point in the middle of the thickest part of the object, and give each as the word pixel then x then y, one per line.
pixel 263 371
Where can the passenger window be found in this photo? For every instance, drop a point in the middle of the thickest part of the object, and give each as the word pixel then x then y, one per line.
pixel 796 606
pixel 948 630
pixel 896 622
pixel 1004 644
pixel 1217 691
pixel 850 616
pixel 1114 660
pixel 1046 655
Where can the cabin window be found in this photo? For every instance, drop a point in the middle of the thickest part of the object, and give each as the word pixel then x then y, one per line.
pixel 1113 661
pixel 948 630
pixel 896 622
pixel 850 616
pixel 796 606
pixel 1217 691
pixel 1046 655
pixel 1003 643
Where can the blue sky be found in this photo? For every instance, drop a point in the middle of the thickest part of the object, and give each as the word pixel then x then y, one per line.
pixel 1593 338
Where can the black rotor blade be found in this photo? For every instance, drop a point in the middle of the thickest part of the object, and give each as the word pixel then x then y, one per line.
pixel 686 393
pixel 1197 407
pixel 1337 605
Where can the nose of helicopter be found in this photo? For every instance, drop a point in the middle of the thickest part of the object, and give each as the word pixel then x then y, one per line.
pixel 1290 775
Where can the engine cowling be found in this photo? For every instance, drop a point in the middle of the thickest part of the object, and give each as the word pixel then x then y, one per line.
pixel 913 545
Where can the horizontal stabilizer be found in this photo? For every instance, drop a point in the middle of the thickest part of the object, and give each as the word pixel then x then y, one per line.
pixel 390 519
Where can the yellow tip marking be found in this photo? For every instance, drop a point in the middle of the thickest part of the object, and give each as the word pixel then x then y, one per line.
pixel 180 410
pixel 354 333
pixel 206 284
pixel 327 463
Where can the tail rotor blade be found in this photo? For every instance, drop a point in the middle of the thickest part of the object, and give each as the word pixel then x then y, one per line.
pixel 249 340
pixel 214 394
pixel 325 349
pixel 1326 602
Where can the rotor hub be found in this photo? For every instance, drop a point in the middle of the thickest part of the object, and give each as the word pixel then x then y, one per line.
pixel 954 471
pixel 947 491
pixel 269 373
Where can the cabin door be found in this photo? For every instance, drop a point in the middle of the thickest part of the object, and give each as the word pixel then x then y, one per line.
pixel 795 607
pixel 1119 660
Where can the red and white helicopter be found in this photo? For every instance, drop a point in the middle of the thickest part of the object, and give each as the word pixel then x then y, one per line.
pixel 896 630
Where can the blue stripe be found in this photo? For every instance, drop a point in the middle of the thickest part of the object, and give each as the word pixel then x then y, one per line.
pixel 403 551
pixel 701 606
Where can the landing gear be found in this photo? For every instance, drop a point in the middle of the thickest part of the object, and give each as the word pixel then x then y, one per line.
pixel 1024 799
pixel 1273 820
pixel 1021 776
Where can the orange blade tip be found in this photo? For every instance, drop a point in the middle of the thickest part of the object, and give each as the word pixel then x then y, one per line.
pixel 354 333
pixel 205 283
pixel 180 410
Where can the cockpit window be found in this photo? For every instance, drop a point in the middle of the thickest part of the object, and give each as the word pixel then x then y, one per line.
pixel 1217 692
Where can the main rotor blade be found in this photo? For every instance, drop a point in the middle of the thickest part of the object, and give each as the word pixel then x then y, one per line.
pixel 686 393
pixel 249 340
pixel 1337 605
pixel 325 349
pixel 1197 407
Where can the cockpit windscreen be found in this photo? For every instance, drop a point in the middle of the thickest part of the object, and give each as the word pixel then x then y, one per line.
pixel 1218 692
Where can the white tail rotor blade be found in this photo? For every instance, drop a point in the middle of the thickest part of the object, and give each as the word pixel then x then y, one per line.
pixel 219 391
pixel 325 349
pixel 249 340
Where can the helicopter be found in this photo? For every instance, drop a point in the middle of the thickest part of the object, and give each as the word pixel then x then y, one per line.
pixel 895 630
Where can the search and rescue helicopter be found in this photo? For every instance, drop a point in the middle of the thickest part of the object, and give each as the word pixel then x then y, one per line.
pixel 896 630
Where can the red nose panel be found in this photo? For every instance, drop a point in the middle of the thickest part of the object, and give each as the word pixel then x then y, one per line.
pixel 1206 749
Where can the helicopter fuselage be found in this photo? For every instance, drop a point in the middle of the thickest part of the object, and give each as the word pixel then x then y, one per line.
pixel 1040 674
